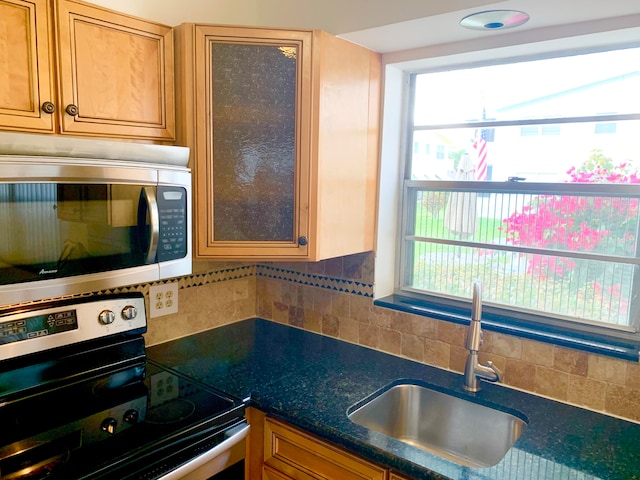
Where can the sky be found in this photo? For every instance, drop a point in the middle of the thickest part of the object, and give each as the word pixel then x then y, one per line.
pixel 493 87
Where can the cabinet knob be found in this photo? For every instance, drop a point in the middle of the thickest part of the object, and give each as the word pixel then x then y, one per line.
pixel 302 241
pixel 48 107
pixel 72 110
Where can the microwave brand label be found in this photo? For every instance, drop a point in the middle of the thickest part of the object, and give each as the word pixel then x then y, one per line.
pixel 46 272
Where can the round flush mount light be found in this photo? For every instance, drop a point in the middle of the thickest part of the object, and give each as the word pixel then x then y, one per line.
pixel 494 20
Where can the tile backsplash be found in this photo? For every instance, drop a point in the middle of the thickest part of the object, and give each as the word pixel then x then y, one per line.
pixel 588 380
pixel 335 298
pixel 215 294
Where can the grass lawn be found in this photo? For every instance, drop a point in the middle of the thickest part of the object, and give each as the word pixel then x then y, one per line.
pixel 430 225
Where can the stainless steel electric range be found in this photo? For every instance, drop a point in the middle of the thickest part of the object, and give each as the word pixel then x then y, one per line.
pixel 80 400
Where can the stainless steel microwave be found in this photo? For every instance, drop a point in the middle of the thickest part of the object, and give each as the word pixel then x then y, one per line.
pixel 80 215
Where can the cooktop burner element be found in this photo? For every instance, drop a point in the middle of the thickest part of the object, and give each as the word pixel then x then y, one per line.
pixel 173 411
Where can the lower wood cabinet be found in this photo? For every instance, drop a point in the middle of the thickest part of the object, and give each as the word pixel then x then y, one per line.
pixel 287 453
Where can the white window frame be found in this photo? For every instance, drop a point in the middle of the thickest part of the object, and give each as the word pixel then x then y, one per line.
pixel 397 69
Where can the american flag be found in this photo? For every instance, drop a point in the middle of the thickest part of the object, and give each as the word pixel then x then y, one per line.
pixel 480 146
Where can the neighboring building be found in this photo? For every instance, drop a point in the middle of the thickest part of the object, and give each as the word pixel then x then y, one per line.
pixel 542 152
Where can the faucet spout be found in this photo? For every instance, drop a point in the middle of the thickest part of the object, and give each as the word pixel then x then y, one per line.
pixel 473 369
pixel 474 333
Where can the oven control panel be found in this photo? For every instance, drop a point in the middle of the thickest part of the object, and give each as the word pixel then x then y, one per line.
pixel 38 326
pixel 41 327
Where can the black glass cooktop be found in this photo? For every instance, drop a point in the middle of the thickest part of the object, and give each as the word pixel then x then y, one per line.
pixel 92 426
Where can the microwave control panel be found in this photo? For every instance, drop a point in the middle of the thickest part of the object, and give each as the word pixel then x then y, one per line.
pixel 172 210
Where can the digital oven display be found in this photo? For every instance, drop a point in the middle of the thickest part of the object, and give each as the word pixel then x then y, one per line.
pixel 38 326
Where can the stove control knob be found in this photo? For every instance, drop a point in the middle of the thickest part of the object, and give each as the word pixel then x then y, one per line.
pixel 129 312
pixel 109 425
pixel 131 416
pixel 106 317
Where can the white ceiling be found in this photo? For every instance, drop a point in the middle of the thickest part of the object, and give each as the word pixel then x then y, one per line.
pixel 382 25
pixel 444 28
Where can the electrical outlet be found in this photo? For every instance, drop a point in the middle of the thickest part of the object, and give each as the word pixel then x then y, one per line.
pixel 163 299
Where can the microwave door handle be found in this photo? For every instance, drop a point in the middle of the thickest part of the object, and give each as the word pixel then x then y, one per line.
pixel 154 219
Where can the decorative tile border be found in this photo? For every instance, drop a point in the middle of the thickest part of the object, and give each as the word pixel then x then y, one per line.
pixel 193 280
pixel 353 287
pixel 337 284
pixel 215 276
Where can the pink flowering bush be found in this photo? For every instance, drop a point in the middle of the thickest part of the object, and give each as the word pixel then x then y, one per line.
pixel 581 223
pixel 601 169
pixel 576 222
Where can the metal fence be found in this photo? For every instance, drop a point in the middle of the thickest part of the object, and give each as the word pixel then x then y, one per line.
pixel 563 250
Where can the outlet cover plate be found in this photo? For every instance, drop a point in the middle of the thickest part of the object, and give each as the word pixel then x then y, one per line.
pixel 163 299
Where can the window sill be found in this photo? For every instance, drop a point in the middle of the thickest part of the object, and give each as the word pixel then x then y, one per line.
pixel 626 348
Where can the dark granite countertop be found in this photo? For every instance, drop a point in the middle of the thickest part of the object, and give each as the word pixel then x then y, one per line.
pixel 311 380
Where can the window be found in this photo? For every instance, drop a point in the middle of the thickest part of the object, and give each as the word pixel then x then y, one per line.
pixel 603 128
pixel 538 204
pixel 530 131
pixel 551 130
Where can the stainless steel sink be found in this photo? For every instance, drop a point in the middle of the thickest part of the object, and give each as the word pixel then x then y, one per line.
pixel 454 428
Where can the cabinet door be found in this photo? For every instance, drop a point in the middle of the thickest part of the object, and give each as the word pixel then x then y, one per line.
pixel 302 457
pixel 269 473
pixel 252 158
pixel 115 73
pixel 25 66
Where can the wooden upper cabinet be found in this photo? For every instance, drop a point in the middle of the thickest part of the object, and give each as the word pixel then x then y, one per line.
pixel 114 73
pixel 283 125
pixel 26 81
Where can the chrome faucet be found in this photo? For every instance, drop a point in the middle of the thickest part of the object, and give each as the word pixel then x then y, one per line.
pixel 472 368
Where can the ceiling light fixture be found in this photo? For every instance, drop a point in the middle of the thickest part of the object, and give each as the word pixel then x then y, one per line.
pixel 494 20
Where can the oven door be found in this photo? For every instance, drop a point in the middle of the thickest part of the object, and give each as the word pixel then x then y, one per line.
pixel 215 455
pixel 224 461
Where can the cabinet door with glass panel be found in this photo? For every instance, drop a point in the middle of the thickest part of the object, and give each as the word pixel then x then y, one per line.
pixel 280 123
pixel 253 95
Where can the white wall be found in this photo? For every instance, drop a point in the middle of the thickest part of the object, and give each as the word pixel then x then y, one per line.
pixel 175 12
pixel 334 16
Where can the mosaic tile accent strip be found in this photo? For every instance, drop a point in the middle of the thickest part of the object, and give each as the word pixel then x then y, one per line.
pixel 353 287
pixel 186 281
pixel 194 280
pixel 336 284
pixel 216 276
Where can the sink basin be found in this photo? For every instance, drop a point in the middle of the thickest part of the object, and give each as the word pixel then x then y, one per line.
pixel 457 429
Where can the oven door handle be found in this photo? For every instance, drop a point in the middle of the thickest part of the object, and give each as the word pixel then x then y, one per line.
pixel 208 456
